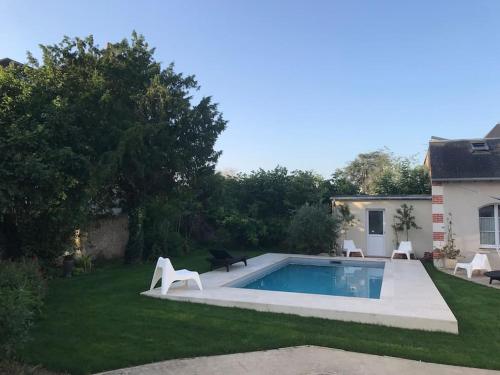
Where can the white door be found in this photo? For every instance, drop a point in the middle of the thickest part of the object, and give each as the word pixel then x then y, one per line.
pixel 375 243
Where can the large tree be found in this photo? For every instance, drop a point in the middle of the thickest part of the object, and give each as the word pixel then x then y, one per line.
pixel 366 167
pixel 380 172
pixel 402 177
pixel 92 128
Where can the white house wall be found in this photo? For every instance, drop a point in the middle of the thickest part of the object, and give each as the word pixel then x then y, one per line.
pixel 421 238
pixel 463 200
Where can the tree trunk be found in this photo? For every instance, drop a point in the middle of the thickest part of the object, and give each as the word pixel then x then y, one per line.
pixel 10 241
pixel 135 245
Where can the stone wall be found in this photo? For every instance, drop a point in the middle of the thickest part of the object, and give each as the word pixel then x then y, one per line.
pixel 107 237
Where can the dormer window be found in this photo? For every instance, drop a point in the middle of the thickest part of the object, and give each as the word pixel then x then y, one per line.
pixel 479 146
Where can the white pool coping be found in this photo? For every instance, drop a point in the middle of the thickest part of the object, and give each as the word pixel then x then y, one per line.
pixel 408 298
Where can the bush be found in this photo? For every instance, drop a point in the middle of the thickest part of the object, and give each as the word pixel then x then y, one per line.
pixel 162 235
pixel 313 230
pixel 12 367
pixel 243 230
pixel 21 294
pixel 83 263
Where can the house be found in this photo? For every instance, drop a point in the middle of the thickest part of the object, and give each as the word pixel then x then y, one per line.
pixel 5 62
pixel 465 176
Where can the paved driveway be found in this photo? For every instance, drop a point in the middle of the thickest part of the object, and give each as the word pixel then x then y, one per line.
pixel 300 360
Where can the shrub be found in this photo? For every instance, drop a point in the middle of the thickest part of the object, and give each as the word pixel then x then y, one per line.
pixel 12 367
pixel 313 230
pixel 162 237
pixel 83 263
pixel 21 293
pixel 450 250
pixel 244 230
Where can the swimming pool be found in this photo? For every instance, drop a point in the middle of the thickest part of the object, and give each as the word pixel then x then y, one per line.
pixel 328 277
pixel 408 298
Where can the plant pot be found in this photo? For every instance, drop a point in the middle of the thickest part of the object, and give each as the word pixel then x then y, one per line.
pixel 68 265
pixel 438 262
pixel 450 263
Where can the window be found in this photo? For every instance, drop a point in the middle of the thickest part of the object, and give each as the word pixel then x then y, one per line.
pixel 489 226
pixel 376 222
pixel 479 146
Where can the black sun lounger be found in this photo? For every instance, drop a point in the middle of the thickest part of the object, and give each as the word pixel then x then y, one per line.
pixel 221 258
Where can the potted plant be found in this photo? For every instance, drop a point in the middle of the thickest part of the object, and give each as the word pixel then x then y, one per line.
pixel 347 220
pixel 404 220
pixel 438 258
pixel 83 263
pixel 68 263
pixel 450 251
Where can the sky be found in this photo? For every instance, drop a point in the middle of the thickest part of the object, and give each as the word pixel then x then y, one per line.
pixel 304 84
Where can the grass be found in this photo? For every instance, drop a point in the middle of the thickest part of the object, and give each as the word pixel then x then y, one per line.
pixel 98 322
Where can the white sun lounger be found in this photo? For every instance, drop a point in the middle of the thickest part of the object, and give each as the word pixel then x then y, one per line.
pixel 479 262
pixel 350 247
pixel 404 248
pixel 165 271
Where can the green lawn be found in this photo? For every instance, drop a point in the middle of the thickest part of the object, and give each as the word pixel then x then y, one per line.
pixel 99 322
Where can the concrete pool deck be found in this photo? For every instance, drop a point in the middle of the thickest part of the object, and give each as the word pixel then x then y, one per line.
pixel 408 298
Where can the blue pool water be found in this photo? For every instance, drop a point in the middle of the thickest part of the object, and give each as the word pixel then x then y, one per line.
pixel 340 278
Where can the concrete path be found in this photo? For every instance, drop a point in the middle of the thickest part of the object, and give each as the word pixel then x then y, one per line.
pixel 477 278
pixel 300 360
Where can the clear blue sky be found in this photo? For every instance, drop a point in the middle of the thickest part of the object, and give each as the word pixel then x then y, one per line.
pixel 305 84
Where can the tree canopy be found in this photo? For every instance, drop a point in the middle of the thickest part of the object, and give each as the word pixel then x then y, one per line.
pixel 91 128
pixel 380 172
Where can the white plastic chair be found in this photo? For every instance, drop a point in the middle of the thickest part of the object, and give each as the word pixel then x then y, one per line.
pixel 165 271
pixel 350 247
pixel 404 248
pixel 479 262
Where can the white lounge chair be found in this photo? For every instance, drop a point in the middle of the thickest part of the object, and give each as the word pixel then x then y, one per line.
pixel 404 248
pixel 479 262
pixel 350 247
pixel 165 271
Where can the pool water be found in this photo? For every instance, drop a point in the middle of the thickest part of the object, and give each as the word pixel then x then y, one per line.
pixel 336 278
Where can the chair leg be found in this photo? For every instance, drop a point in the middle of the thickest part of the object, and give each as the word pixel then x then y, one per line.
pixel 156 277
pixel 198 281
pixel 227 267
pixel 469 272
pixel 245 261
pixel 165 286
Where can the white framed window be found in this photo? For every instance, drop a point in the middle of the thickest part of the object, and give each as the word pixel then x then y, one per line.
pixel 489 226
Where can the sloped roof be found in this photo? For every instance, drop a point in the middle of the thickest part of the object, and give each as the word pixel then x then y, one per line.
pixel 494 133
pixel 457 159
pixel 6 61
